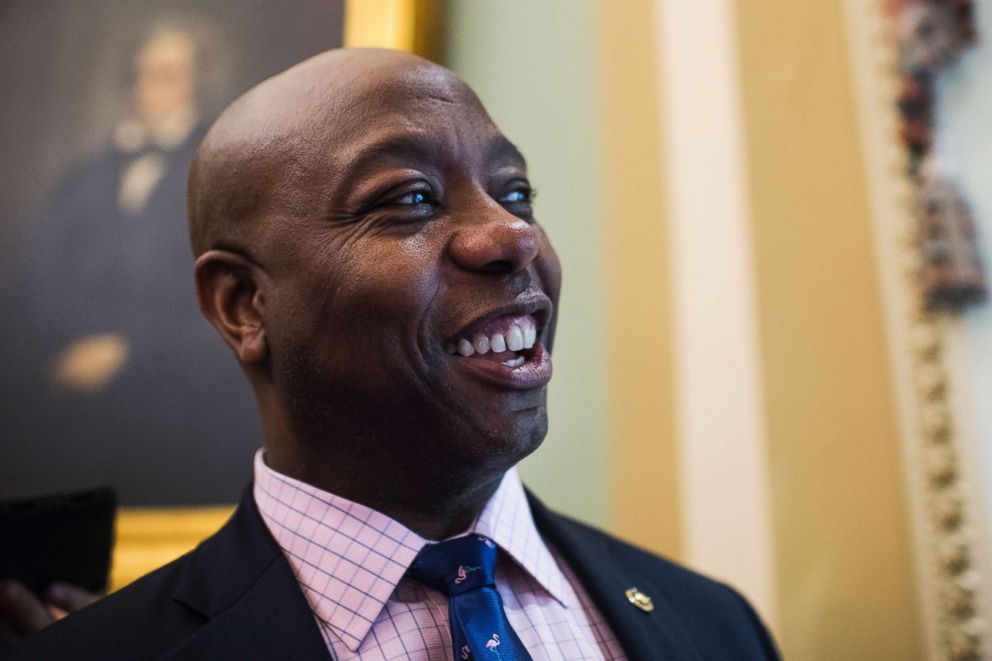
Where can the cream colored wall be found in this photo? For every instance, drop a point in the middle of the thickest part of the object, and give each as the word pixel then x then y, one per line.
pixel 645 489
pixel 536 68
pixel 844 567
pixel 721 435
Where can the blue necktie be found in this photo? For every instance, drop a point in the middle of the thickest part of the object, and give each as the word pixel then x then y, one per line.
pixel 462 569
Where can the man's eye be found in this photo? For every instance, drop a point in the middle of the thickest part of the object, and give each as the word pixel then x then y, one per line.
pixel 415 198
pixel 520 195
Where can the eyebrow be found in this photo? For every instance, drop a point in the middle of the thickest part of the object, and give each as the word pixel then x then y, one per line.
pixel 414 147
pixel 500 148
pixel 406 146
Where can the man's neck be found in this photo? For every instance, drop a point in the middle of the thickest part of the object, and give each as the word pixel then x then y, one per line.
pixel 433 507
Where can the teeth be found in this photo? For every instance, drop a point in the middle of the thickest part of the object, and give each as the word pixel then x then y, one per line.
pixel 481 344
pixel 516 361
pixel 521 334
pixel 514 339
pixel 530 337
pixel 497 343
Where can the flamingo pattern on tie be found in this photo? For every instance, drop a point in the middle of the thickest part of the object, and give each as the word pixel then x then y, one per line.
pixel 492 644
pixel 462 568
pixel 463 573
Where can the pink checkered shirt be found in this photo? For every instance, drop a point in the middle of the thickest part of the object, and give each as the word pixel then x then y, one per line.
pixel 350 562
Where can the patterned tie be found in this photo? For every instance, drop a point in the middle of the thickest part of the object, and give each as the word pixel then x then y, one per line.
pixel 462 569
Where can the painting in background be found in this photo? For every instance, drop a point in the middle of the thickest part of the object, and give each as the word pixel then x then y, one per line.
pixel 110 375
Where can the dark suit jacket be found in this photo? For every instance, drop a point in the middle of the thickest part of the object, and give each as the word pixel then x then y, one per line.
pixel 235 597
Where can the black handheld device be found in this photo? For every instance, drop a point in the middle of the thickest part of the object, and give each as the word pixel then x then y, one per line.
pixel 64 537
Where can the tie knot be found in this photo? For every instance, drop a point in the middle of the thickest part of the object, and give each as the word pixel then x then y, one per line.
pixel 457 565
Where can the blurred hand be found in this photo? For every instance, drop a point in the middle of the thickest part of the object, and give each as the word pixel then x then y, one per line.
pixel 22 612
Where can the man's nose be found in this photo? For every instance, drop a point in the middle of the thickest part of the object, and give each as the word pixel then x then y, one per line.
pixel 500 243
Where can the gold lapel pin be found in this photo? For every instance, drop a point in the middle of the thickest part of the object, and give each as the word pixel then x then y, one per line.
pixel 639 599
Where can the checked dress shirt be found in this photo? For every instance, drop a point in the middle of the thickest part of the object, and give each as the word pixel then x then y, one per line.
pixel 351 562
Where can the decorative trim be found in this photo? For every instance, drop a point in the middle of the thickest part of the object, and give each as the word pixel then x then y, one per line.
pixel 950 579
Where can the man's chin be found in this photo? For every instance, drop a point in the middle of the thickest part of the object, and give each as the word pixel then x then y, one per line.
pixel 507 438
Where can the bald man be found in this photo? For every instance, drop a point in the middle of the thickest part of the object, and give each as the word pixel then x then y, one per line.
pixel 366 246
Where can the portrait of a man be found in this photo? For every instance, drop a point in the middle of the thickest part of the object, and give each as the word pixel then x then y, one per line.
pixel 111 376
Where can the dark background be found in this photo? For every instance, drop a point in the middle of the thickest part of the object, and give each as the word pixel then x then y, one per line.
pixel 179 424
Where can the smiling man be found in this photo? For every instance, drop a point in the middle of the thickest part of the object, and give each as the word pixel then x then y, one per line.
pixel 367 248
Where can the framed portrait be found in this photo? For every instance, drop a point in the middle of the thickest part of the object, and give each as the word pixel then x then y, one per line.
pixel 110 374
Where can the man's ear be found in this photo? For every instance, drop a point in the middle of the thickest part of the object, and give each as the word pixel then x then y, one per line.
pixel 227 285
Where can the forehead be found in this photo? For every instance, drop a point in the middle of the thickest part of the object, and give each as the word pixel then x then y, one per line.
pixel 441 142
pixel 422 112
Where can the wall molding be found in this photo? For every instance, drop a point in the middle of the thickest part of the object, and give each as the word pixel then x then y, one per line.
pixel 947 547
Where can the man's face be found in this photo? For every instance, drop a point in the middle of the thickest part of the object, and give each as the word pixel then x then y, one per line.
pixel 411 290
pixel 165 77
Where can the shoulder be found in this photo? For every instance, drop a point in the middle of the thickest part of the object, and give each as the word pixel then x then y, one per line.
pixel 140 621
pixel 211 603
pixel 715 620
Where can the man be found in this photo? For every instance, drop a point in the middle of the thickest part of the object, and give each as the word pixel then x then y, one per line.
pixel 367 248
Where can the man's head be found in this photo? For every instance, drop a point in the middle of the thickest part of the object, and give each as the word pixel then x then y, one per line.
pixel 359 222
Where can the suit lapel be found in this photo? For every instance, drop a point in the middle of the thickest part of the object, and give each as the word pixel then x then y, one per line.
pixel 655 635
pixel 240 581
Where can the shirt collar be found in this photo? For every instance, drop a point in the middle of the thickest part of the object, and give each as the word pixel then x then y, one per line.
pixel 368 553
pixel 506 519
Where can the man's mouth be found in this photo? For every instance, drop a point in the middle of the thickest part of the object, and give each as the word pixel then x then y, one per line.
pixel 505 351
pixel 505 340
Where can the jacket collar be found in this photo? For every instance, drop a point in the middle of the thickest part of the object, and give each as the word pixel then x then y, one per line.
pixel 240 581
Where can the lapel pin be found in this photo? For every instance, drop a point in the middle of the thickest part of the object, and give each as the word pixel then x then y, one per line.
pixel 639 599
